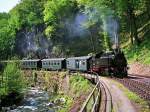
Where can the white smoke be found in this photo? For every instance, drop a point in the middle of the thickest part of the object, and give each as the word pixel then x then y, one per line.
pixel 76 27
pixel 111 26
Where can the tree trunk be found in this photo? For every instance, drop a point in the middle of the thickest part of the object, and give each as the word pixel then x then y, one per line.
pixel 135 33
pixel 133 26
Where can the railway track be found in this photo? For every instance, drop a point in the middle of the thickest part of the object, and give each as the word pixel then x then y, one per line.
pixel 137 84
pixel 102 100
pixel 106 99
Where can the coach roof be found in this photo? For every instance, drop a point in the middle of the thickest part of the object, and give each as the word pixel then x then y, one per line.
pixel 54 59
pixel 31 60
pixel 82 57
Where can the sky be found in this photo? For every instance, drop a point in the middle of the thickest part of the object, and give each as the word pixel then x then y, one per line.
pixel 7 5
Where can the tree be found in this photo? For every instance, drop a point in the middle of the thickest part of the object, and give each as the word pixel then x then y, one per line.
pixel 14 81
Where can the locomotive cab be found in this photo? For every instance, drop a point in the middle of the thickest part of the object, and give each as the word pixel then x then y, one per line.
pixel 102 62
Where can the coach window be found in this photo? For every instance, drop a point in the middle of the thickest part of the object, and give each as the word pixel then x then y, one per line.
pixel 57 63
pixel 67 62
pixel 83 62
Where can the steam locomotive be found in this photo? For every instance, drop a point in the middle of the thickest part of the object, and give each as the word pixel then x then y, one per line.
pixel 112 63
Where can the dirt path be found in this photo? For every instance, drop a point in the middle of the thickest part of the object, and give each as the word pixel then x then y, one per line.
pixel 121 103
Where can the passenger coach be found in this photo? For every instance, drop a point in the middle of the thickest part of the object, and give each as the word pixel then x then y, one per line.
pixel 79 63
pixel 54 64
pixel 31 64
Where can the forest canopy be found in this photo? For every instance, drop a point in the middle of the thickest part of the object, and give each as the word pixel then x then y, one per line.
pixel 62 28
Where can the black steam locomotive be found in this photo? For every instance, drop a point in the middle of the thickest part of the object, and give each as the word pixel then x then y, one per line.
pixel 112 62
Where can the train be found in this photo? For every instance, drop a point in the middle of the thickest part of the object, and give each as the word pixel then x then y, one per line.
pixel 112 63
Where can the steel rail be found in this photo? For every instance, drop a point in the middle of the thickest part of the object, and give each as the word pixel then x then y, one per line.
pixel 108 99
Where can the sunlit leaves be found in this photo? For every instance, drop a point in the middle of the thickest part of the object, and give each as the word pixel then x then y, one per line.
pixel 49 31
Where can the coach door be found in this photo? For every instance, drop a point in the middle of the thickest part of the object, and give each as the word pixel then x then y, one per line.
pixel 77 64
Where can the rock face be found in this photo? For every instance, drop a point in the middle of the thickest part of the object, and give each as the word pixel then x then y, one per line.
pixel 139 69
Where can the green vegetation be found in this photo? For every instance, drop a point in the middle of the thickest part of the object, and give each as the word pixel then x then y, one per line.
pixel 79 84
pixel 134 97
pixel 12 84
pixel 139 53
pixel 12 79
pixel 58 21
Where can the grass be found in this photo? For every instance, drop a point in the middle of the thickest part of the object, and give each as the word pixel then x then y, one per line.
pixel 134 97
pixel 79 84
pixel 139 53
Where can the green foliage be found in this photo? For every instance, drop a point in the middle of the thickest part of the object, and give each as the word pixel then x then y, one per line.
pixel 53 14
pixel 79 84
pixel 139 53
pixel 27 13
pixel 13 78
